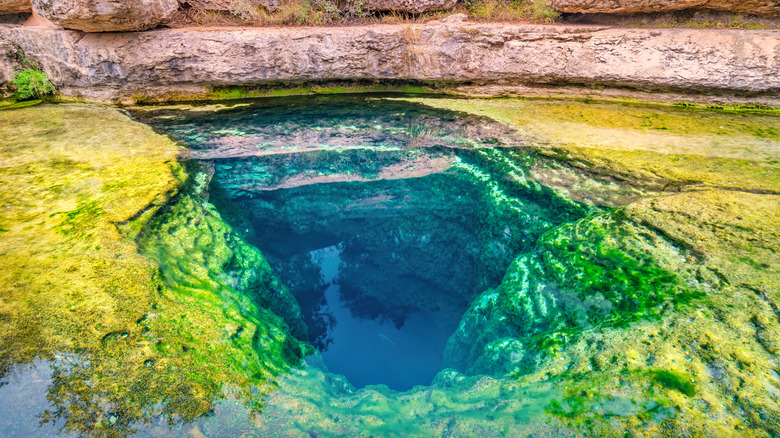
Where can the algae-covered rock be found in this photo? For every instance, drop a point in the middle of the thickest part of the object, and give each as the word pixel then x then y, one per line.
pixel 670 301
pixel 70 175
pixel 600 271
pixel 649 147
pixel 78 184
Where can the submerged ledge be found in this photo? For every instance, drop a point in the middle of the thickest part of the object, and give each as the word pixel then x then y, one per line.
pixel 187 63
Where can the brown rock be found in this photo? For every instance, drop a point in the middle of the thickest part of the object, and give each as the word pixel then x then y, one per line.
pixel 106 15
pixel 757 7
pixel 411 6
pixel 14 6
pixel 183 61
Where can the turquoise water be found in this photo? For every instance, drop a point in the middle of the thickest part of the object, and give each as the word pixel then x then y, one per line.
pixel 367 266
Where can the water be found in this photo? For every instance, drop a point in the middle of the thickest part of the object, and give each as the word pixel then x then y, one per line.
pixel 365 266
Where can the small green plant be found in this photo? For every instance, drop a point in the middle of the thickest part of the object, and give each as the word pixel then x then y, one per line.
pixel 31 82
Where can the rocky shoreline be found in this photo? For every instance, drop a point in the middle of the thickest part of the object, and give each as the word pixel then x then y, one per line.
pixel 181 64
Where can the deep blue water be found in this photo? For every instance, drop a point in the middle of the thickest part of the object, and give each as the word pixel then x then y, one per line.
pixel 371 351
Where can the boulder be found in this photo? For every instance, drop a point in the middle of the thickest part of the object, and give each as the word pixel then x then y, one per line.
pixel 14 7
pixel 757 7
pixel 411 6
pixel 106 15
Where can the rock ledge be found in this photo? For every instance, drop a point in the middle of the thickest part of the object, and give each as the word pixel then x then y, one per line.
pixel 193 61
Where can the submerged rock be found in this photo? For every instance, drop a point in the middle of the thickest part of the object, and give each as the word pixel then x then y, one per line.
pixel 106 15
pixel 127 340
pixel 655 318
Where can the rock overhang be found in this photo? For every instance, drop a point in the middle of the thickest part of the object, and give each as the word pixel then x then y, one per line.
pixel 132 66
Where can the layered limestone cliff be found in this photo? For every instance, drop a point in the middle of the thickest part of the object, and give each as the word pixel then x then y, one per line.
pixel 186 62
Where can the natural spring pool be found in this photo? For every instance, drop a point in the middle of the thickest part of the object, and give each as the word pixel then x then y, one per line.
pixel 389 265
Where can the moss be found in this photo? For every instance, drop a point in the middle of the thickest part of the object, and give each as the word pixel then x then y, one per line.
pixel 9 105
pixel 675 381
pixel 415 90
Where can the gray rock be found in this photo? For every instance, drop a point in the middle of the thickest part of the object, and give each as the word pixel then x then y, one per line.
pixel 411 6
pixel 106 15
pixel 15 6
pixel 192 61
pixel 757 7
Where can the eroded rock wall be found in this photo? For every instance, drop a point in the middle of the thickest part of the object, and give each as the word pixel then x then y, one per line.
pixel 192 61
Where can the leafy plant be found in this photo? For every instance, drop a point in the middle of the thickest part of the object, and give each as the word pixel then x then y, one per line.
pixel 31 83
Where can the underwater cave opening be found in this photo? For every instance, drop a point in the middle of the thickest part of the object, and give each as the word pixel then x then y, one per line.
pixel 384 218
pixel 383 270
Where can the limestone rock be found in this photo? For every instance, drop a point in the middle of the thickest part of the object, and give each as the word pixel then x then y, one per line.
pixel 14 6
pixel 193 61
pixel 758 7
pixel 411 6
pixel 106 15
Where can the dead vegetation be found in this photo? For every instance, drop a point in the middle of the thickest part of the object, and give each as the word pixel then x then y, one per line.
pixel 356 12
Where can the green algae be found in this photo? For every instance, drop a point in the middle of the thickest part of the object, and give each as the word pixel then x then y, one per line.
pixel 676 381
pixel 598 271
pixel 230 93
pixel 17 105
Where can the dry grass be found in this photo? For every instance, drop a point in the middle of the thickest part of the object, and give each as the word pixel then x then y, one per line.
pixel 355 12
